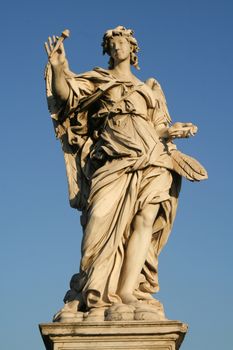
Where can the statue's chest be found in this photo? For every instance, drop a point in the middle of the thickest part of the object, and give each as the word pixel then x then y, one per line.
pixel 124 98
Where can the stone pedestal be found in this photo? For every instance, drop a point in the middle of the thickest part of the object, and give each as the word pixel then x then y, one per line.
pixel 111 335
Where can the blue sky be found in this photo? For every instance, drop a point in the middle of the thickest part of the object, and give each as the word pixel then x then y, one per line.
pixel 187 46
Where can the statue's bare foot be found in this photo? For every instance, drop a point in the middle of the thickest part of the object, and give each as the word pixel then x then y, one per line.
pixel 128 298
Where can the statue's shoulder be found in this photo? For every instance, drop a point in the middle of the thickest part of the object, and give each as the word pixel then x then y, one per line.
pixel 155 86
pixel 98 75
pixel 153 83
pixel 102 71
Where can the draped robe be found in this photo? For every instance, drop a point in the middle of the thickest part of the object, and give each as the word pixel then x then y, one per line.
pixel 116 165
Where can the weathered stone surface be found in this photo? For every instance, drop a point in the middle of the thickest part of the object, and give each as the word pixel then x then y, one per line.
pixel 134 335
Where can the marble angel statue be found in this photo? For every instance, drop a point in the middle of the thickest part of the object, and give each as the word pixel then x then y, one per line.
pixel 124 175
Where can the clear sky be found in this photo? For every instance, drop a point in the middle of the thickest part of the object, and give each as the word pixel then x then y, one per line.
pixel 187 46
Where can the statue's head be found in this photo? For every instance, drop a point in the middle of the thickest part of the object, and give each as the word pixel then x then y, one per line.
pixel 128 35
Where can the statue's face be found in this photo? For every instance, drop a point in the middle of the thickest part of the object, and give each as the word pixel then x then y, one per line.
pixel 119 48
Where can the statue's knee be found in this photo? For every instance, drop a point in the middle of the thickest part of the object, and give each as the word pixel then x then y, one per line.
pixel 96 217
pixel 148 218
pixel 149 214
pixel 143 220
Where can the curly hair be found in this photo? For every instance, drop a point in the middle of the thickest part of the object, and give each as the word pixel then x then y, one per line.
pixel 128 35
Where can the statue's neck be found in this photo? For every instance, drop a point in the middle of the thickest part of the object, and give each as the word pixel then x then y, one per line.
pixel 122 70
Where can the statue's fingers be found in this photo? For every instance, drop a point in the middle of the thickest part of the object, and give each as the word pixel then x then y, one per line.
pixel 174 134
pixel 54 40
pixel 47 48
pixel 187 134
pixel 193 131
pixel 50 43
pixel 195 128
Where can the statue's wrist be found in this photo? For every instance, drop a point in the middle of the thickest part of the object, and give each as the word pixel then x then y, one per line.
pixel 57 67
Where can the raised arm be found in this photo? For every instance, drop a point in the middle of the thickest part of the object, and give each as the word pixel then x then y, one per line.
pixel 59 63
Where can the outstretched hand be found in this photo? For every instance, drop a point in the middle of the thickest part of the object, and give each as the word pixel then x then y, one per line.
pixel 56 56
pixel 182 130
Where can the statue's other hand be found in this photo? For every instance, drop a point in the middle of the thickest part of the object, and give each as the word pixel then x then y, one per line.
pixel 182 130
pixel 57 57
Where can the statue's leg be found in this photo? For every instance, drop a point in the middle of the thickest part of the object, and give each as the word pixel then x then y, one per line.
pixel 136 251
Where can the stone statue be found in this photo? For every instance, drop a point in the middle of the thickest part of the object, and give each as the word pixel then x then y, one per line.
pixel 124 174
